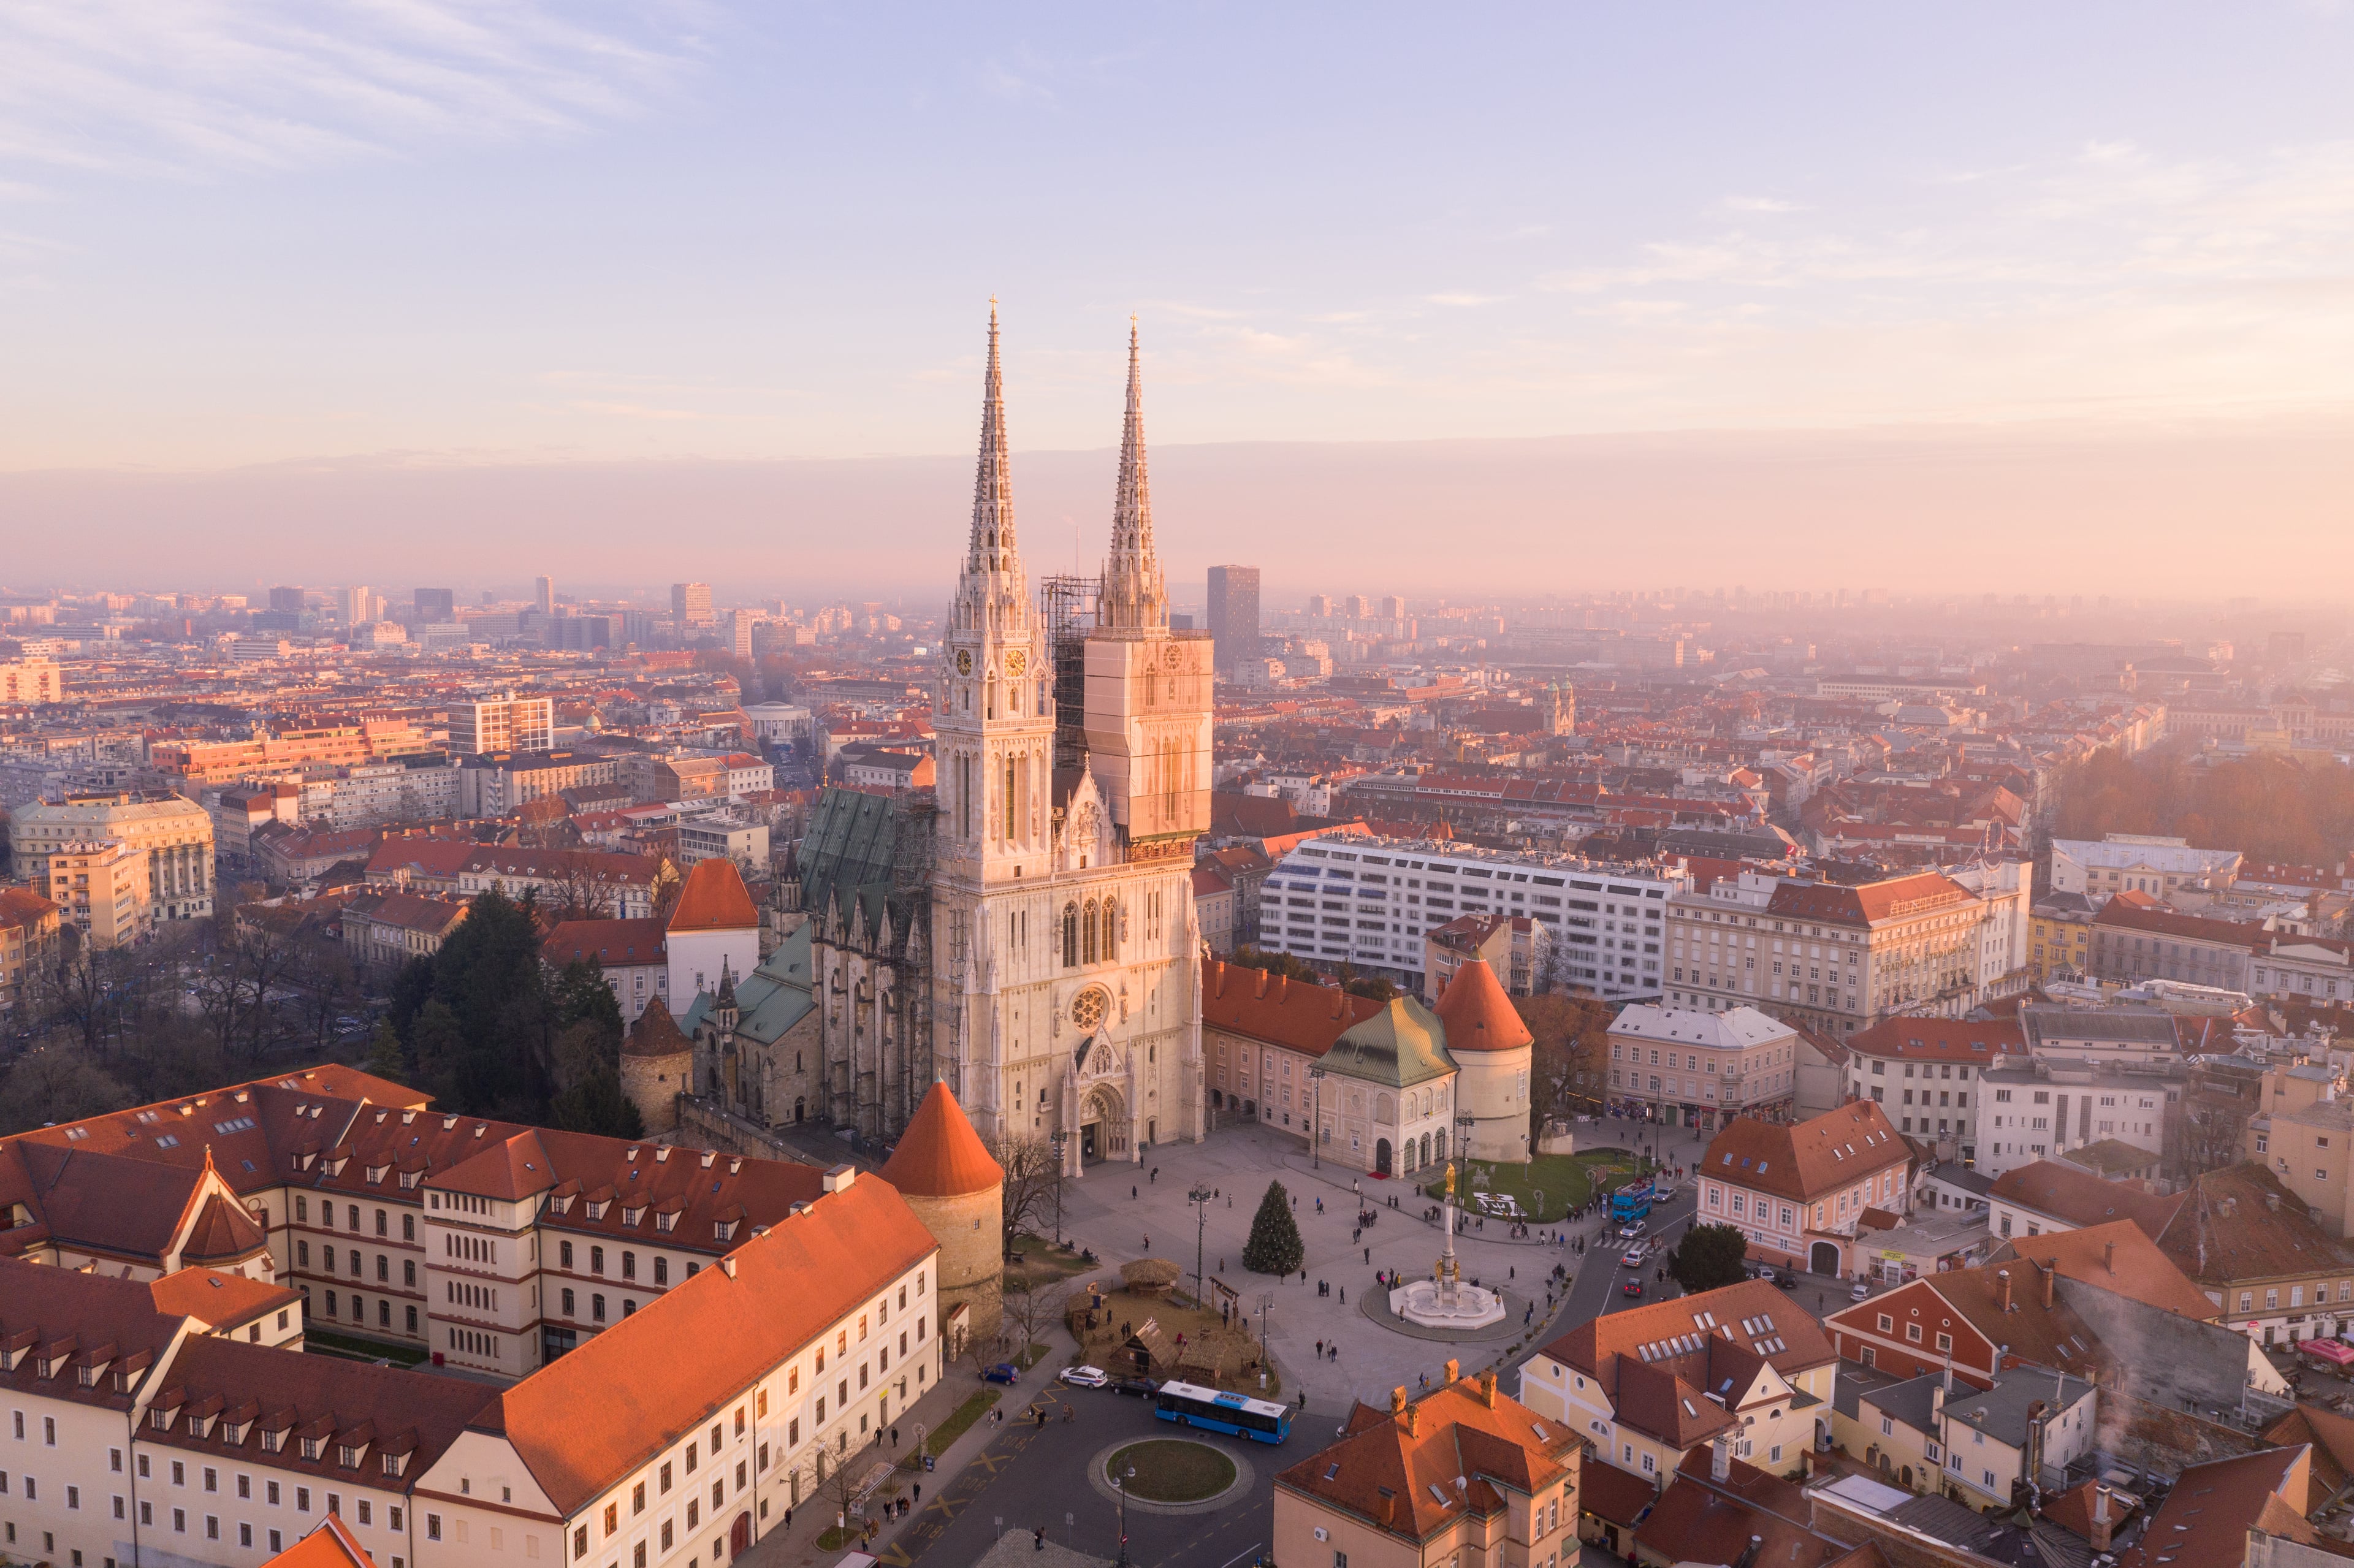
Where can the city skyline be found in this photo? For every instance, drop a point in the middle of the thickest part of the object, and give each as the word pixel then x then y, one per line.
pixel 556 280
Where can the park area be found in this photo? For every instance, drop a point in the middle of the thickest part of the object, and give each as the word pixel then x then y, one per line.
pixel 1153 1333
pixel 1541 1191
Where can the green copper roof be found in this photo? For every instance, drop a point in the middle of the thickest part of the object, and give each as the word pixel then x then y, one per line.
pixel 1401 1046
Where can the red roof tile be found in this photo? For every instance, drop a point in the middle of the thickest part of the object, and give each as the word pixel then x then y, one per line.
pixel 714 899
pixel 1477 1015
pixel 939 1155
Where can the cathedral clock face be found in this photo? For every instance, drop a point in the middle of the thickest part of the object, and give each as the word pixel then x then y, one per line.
pixel 1015 662
pixel 964 660
pixel 1087 1008
pixel 1173 655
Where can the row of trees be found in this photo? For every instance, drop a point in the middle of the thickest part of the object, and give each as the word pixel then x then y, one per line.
pixel 2268 808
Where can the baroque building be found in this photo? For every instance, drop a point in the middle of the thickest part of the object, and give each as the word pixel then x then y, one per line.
pixel 1024 932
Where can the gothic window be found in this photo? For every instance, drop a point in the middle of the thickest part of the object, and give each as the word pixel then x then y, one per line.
pixel 1070 936
pixel 1008 799
pixel 1090 948
pixel 1110 931
pixel 989 705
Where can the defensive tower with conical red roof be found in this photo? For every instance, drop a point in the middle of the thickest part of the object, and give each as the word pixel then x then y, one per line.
pixel 1493 1052
pixel 957 1188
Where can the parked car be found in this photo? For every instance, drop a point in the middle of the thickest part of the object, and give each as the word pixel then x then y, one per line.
pixel 1004 1372
pixel 1085 1377
pixel 1631 1288
pixel 1635 1257
pixel 1139 1387
pixel 1783 1278
pixel 1862 1292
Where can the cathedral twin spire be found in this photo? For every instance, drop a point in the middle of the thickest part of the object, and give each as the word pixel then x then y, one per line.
pixel 1133 595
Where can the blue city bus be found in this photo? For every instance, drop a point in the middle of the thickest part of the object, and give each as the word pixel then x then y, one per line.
pixel 1631 1202
pixel 1252 1418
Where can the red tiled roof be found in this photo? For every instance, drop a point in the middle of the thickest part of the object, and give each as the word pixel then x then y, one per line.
pixel 939 1155
pixel 1822 1154
pixel 2073 1193
pixel 2136 912
pixel 714 899
pixel 331 1546
pixel 222 1300
pixel 656 1032
pixel 1278 1010
pixel 1477 1015
pixel 589 1419
pixel 1899 898
pixel 1940 1039
pixel 613 943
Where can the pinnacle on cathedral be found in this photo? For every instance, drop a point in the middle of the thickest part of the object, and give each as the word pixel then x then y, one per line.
pixel 992 549
pixel 1133 597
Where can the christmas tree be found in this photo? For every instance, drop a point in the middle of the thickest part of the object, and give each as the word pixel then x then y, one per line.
pixel 1274 1245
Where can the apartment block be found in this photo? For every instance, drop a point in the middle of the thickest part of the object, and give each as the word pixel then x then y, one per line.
pixel 101 890
pixel 174 835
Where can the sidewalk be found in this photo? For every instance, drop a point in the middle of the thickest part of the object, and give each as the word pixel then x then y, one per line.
pixel 796 1546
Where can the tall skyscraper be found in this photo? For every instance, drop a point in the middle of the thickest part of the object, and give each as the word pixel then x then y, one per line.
pixel 286 598
pixel 543 595
pixel 1234 614
pixel 357 604
pixel 436 605
pixel 690 604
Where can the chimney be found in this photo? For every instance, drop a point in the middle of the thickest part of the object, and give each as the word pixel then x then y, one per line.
pixel 2050 1273
pixel 1488 1388
pixel 1397 1400
pixel 2103 1525
pixel 2271 1202
pixel 1937 1400
pixel 1453 1371
pixel 2109 1255
pixel 2002 1288
pixel 1719 1459
pixel 1260 992
pixel 1948 1380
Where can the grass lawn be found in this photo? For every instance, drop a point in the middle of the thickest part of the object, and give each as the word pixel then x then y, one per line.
pixel 1172 1470
pixel 960 1420
pixel 1565 1181
pixel 1042 1263
pixel 361 1350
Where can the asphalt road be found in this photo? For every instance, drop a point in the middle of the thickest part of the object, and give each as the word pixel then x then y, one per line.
pixel 1030 1475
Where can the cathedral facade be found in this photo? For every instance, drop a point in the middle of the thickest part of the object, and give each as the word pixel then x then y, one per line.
pixel 1025 932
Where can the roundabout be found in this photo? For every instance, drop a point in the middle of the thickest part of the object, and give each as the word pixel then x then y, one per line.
pixel 1174 1475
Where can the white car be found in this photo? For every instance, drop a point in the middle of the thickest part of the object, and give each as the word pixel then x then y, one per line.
pixel 1635 1257
pixel 1862 1292
pixel 1634 1228
pixel 1085 1377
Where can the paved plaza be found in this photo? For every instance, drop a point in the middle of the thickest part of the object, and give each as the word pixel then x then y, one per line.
pixel 1237 1162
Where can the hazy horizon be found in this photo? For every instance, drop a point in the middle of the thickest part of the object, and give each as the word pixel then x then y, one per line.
pixel 1575 295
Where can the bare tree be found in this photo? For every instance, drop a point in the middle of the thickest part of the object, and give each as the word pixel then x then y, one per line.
pixel 1028 1161
pixel 1033 1308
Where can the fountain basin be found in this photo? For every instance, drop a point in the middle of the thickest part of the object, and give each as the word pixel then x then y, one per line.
pixel 1436 1306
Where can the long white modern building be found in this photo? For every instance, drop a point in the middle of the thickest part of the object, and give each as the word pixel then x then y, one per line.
pixel 1368 902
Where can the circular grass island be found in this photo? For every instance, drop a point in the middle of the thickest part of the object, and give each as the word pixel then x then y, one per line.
pixel 1170 1470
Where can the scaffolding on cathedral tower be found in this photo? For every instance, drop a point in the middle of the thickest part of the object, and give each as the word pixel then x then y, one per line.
pixel 1067 608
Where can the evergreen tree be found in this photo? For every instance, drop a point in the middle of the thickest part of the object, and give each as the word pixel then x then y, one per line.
pixel 488 975
pixel 1274 1245
pixel 1710 1258
pixel 385 1057
pixel 596 1104
pixel 438 1045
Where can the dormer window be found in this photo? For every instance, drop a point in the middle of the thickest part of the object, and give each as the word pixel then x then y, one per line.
pixel 633 1216
pixel 310 1448
pixel 160 1418
pixel 723 1229
pixel 410 1179
pixel 347 1457
pixel 665 1223
pixel 597 1209
pixel 273 1442
pixel 376 1173
pixel 394 1463
pixel 88 1375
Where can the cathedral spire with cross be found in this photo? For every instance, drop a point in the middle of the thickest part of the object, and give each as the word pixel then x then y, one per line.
pixel 1134 598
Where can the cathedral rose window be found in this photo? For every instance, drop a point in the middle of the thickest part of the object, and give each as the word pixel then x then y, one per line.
pixel 1089 1007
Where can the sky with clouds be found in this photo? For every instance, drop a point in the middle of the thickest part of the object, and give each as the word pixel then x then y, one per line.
pixel 512 234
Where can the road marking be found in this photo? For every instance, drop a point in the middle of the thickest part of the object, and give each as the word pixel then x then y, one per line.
pixel 1238 1556
pixel 895 1556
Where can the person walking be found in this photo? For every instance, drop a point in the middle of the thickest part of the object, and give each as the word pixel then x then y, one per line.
pixel 1038 1539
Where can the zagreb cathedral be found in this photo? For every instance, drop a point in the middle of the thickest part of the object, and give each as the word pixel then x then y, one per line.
pixel 1026 933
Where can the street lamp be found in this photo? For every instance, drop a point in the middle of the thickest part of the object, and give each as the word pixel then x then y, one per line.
pixel 1118 1485
pixel 1059 1135
pixel 1316 1122
pixel 1200 1198
pixel 1266 1356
